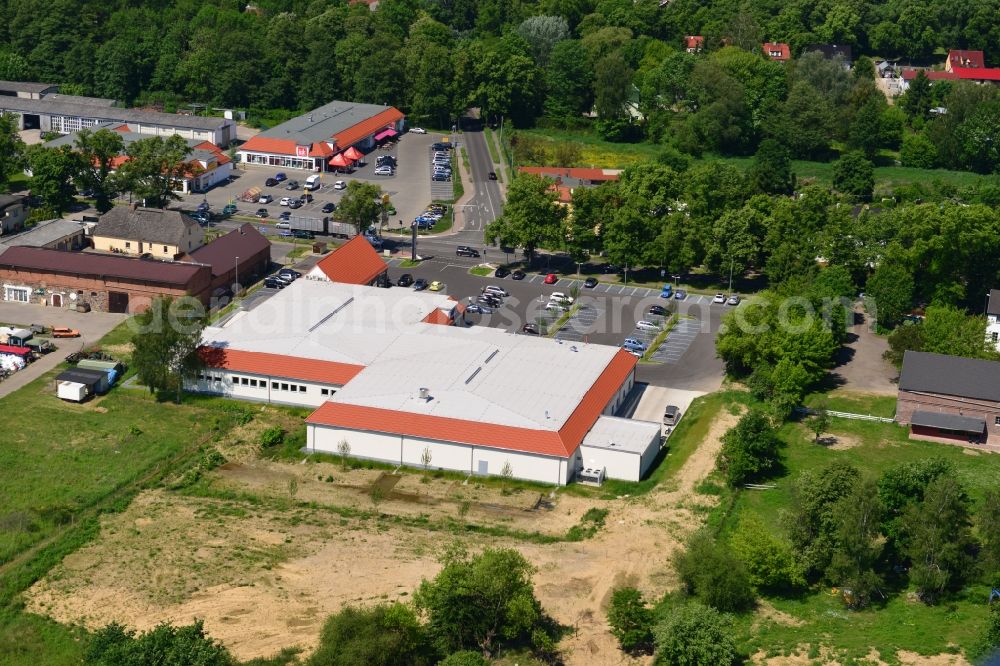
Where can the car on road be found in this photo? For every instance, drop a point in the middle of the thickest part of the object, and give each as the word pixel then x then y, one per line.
pixel 492 175
pixel 384 171
pixel 733 300
pixel 658 310
pixel 418 130
pixel 419 284
pixel 271 182
pixel 466 251
pixel 590 282
pixel 289 274
pixel 285 201
pixel 436 286
pixel 329 207
pixel 551 278
pixel 680 294
pixel 529 329
pixel 292 185
pixel 667 291
pixel 719 298
pixel 274 283
pixel 280 176
pixel 559 296
pixel 405 280
pixel 494 289
pixel 261 213
pixel 635 342
pixel 517 275
pixel 481 308
pixel 265 199
pixel 645 325
pixel 501 272
pixel 303 234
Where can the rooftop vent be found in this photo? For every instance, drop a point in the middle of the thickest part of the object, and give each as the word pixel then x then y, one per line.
pixel 490 357
pixel 425 393
pixel 473 375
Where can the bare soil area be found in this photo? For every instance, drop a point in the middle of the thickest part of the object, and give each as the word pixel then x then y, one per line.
pixel 263 579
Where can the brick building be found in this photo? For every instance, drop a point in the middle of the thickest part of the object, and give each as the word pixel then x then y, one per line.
pixel 105 282
pixel 950 399
pixel 243 255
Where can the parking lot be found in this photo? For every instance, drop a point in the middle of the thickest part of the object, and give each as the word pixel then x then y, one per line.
pixel 409 188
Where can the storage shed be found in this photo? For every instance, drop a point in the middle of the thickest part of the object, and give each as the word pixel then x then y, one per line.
pixel 93 382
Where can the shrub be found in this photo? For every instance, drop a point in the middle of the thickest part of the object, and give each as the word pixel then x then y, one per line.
pixel 631 621
pixel 383 635
pixel 273 436
pixel 769 561
pixel 464 658
pixel 709 571
pixel 749 449
pixel 695 635
pixel 115 646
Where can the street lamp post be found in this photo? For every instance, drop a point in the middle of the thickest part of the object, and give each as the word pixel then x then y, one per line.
pixel 731 261
pixel 237 276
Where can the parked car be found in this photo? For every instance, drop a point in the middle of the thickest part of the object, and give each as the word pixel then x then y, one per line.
pixel 340 185
pixel 203 207
pixel 295 203
pixel 559 296
pixel 492 175
pixel 271 182
pixel 261 212
pixel 265 199
pixel 559 306
pixel 667 291
pixel 680 294
pixel 635 342
pixel 551 278
pixel 644 325
pixel 384 171
pixel 303 234
pixel 292 185
pixel 280 176
pixel 590 282
pixel 419 284
pixel 405 280
pixel 517 275
pixel 466 251
pixel 305 197
pixel 441 145
pixel 733 300
pixel 480 308
pixel 529 329
pixel 289 274
pixel 201 218
pixel 501 272
pixel 418 130
pixel 385 159
pixel 285 215
pixel 671 415
pixel 491 299
pixel 494 289
pixel 440 177
pixel 719 298
pixel 229 209
pixel 274 283
pixel 329 207
pixel 64 332
pixel 285 201
pixel 436 286
pixel 658 310
pixel 283 225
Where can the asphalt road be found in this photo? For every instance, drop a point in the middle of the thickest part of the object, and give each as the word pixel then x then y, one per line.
pixel 486 202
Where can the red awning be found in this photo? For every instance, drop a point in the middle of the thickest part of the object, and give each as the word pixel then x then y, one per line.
pixel 339 161
pixel 385 134
pixel 353 153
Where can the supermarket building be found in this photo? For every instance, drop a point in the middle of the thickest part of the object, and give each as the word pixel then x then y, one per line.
pixel 309 141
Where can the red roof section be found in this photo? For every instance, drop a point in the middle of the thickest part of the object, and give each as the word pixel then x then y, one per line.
pixel 977 74
pixel 437 317
pixel 279 365
pixel 580 173
pixel 354 262
pixel 694 41
pixel 13 349
pixel 366 128
pixel 266 144
pixel 543 442
pixel 784 53
pixel 959 58
pixel 933 75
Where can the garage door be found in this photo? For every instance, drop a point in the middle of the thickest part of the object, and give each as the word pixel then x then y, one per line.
pixel 118 302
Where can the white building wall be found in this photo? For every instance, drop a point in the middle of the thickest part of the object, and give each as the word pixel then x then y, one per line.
pixel 624 465
pixel 524 465
pixel 444 455
pixel 369 445
pixel 993 331
pixel 275 390
pixel 619 397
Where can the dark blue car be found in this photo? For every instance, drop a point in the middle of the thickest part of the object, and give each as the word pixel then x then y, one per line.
pixel 280 176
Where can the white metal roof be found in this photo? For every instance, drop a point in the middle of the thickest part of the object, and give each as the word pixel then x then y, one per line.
pixel 481 374
pixel 618 434
pixel 327 321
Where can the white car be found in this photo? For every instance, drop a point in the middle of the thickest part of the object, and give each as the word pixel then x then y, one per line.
pixel 265 199
pixel 418 130
pixel 644 325
pixel 285 201
pixel 559 296
pixel 384 171
pixel 556 305
pixel 719 298
pixel 340 185
pixel 493 289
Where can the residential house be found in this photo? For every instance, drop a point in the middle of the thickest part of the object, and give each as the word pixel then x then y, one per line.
pixel 777 51
pixel 13 212
pixel 993 318
pixel 949 399
pixel 694 43
pixel 164 234
pixel 58 234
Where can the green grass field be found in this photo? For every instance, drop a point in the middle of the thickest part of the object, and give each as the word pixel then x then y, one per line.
pixel 903 623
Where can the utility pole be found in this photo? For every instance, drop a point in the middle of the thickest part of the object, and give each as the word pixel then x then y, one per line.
pixel 731 261
pixel 237 277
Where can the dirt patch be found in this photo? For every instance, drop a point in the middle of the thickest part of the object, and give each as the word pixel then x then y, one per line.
pixel 265 579
pixel 768 614
pixel 907 658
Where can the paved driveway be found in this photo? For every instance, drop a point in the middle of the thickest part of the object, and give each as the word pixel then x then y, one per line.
pixel 860 364
pixel 92 326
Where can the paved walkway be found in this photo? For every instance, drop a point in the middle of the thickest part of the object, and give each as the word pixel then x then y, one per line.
pixel 92 326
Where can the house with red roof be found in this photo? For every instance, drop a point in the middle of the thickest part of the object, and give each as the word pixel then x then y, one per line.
pixel 694 43
pixel 311 140
pixel 960 65
pixel 354 262
pixel 777 51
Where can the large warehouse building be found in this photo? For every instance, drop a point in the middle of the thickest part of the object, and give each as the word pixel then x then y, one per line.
pixel 394 380
pixel 312 139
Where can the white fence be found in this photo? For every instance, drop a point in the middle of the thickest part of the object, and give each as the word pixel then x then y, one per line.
pixel 849 415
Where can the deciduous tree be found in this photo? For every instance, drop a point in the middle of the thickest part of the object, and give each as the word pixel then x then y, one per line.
pixel 99 150
pixel 153 169
pixel 696 635
pixel 361 204
pixel 382 635
pixel 11 148
pixel 53 171
pixel 631 620
pixel 853 174
pixel 531 218
pixel 749 449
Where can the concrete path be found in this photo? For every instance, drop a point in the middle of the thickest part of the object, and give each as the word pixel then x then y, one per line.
pixel 92 326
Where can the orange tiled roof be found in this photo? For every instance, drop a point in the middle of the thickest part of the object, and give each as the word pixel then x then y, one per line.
pixel 543 442
pixel 266 144
pixel 580 173
pixel 355 133
pixel 354 262
pixel 782 49
pixel 437 317
pixel 694 41
pixel 279 365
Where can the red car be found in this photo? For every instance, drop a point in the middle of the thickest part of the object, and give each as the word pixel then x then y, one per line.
pixel 551 278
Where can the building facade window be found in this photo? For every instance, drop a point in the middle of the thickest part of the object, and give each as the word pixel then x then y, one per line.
pixel 16 294
pixel 996 420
